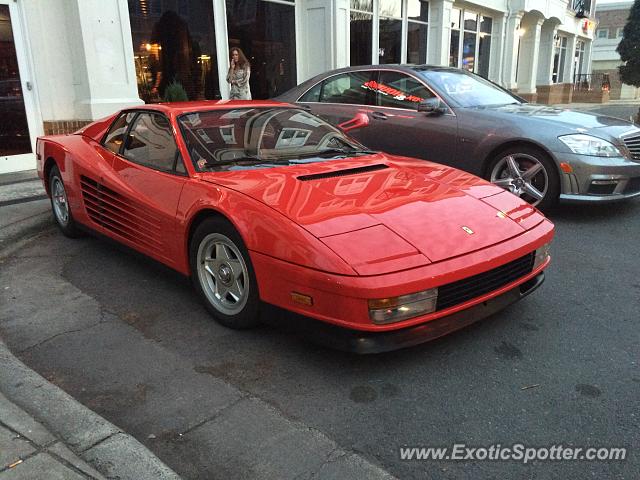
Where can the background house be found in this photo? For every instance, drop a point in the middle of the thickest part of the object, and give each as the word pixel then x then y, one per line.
pixel 611 18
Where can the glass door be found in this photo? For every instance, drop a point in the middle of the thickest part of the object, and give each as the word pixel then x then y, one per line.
pixel 15 137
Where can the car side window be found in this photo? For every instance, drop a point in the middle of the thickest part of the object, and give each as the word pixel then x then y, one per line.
pixel 312 95
pixel 150 142
pixel 398 90
pixel 115 136
pixel 350 88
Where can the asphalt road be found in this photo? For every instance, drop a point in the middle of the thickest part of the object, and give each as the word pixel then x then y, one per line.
pixel 129 339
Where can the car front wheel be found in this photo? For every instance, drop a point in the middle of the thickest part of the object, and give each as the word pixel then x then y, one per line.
pixel 527 173
pixel 222 274
pixel 60 204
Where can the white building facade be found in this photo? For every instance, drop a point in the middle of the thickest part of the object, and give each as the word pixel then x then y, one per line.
pixel 64 63
pixel 611 19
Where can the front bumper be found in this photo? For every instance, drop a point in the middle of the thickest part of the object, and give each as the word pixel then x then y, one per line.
pixel 377 342
pixel 343 300
pixel 598 179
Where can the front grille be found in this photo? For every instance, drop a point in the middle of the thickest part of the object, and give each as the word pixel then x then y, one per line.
pixel 633 185
pixel 459 292
pixel 633 144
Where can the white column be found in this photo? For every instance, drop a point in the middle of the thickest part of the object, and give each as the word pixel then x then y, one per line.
pixel 545 58
pixel 509 63
pixel 104 58
pixel 439 32
pixel 497 48
pixel 222 46
pixel 323 42
pixel 568 61
pixel 529 55
pixel 588 50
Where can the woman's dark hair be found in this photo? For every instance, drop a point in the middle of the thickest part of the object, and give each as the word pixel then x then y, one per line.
pixel 242 60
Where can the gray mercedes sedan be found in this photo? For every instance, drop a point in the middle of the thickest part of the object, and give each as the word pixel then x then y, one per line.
pixel 538 152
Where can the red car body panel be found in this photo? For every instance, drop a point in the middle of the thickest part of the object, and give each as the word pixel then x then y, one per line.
pixel 342 240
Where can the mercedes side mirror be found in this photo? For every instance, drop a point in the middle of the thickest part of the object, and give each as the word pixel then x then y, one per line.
pixel 432 106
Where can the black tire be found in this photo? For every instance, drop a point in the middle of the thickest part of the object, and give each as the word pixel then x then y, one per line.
pixel 60 205
pixel 211 279
pixel 527 155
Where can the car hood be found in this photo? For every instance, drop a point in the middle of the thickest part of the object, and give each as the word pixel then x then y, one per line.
pixel 382 214
pixel 571 119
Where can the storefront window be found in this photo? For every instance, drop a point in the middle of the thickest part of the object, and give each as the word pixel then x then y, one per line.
pixel 395 19
pixel 265 31
pixel 579 58
pixel 559 58
pixel 470 48
pixel 454 48
pixel 174 42
pixel 390 36
pixel 484 46
pixel 417 31
pixel 361 31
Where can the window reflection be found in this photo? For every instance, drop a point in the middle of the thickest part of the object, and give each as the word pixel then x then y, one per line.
pixel 361 34
pixel 265 32
pixel 174 42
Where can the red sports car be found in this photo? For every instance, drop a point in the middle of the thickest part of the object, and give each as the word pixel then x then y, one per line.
pixel 264 202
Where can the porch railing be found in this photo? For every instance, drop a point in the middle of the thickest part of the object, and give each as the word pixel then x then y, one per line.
pixel 591 81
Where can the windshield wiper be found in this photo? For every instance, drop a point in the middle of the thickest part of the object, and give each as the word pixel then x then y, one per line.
pixel 336 151
pixel 248 160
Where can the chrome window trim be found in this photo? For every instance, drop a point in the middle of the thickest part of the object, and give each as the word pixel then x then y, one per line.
pixel 415 77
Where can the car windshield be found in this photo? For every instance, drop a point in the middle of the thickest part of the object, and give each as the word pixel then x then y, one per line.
pixel 261 137
pixel 467 90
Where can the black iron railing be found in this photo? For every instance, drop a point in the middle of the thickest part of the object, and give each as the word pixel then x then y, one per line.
pixel 591 81
pixel 581 7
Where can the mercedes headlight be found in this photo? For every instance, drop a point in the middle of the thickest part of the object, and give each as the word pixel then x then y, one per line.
pixel 589 145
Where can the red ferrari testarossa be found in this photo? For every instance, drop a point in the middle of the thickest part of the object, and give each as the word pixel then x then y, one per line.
pixel 263 202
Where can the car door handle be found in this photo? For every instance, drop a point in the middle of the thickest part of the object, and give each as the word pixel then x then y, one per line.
pixel 379 115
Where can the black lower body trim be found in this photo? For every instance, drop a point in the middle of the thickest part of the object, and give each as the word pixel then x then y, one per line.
pixel 377 342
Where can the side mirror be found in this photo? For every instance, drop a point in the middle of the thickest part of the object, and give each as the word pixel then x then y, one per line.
pixel 432 106
pixel 359 121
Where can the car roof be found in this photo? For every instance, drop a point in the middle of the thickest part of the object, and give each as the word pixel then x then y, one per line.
pixel 178 108
pixel 390 66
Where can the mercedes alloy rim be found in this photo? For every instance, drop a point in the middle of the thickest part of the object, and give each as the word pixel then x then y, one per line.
pixel 223 274
pixel 523 175
pixel 60 204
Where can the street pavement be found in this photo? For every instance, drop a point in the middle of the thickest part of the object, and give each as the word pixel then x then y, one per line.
pixel 129 340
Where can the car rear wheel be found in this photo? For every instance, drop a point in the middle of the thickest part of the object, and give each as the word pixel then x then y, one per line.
pixel 223 275
pixel 60 204
pixel 527 173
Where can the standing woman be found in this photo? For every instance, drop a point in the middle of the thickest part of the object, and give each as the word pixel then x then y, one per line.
pixel 238 76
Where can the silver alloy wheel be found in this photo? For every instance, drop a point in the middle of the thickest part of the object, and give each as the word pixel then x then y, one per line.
pixel 223 274
pixel 523 175
pixel 60 203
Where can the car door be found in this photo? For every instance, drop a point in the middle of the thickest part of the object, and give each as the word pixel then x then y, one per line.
pixel 142 192
pixel 404 130
pixel 338 98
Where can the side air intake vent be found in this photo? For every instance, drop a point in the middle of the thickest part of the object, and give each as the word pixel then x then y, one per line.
pixel 122 216
pixel 342 173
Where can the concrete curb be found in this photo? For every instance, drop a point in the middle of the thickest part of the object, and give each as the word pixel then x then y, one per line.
pixel 108 449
